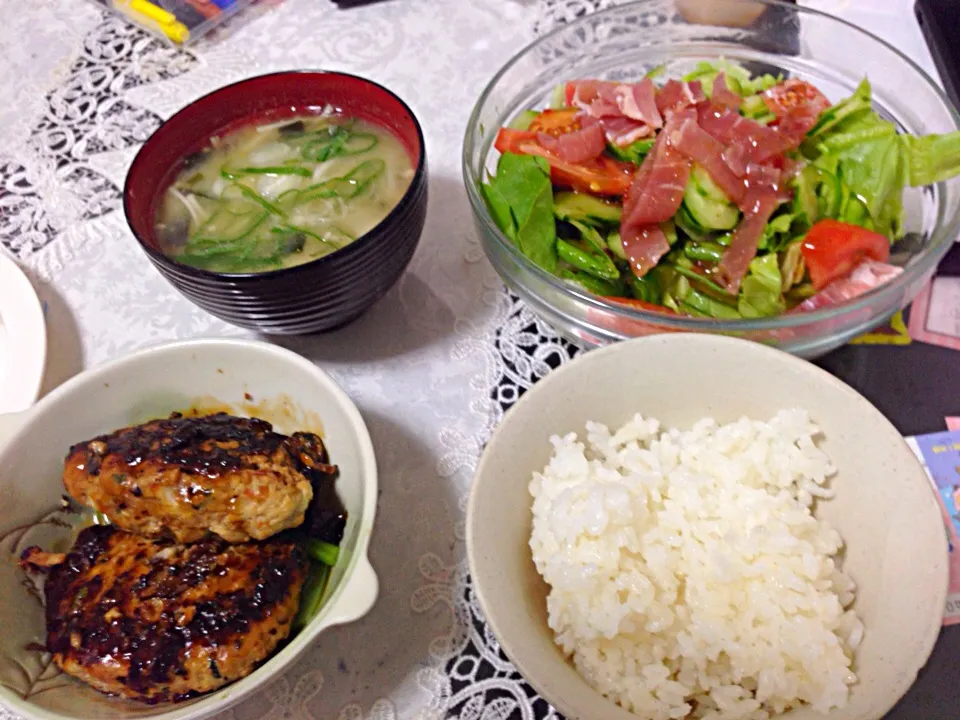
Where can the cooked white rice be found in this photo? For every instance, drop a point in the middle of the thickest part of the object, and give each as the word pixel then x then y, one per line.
pixel 688 575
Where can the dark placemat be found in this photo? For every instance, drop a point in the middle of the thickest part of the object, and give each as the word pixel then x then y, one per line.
pixel 915 386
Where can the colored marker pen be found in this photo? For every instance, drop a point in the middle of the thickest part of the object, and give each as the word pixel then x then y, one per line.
pixel 151 16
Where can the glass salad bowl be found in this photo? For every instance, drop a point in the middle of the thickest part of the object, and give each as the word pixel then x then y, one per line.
pixel 765 36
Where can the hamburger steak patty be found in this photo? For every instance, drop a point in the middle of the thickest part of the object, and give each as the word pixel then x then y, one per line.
pixel 185 477
pixel 154 621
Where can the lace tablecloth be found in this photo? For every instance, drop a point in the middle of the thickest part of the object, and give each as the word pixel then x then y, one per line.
pixel 432 367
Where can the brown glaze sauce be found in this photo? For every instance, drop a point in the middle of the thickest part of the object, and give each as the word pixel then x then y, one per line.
pixel 207 445
pixel 148 614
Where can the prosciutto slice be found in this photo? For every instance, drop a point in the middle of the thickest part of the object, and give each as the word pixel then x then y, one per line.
pixel 675 96
pixel 597 98
pixel 864 278
pixel 639 102
pixel 746 237
pixel 575 147
pixel 626 113
pixel 747 140
pixel 654 196
pixel 622 131
pixel 644 247
pixel 722 95
pixel 657 189
pixel 698 145
pixel 762 197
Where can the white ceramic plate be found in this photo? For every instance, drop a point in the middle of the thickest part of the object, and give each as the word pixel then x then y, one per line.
pixel 23 339
pixel 247 378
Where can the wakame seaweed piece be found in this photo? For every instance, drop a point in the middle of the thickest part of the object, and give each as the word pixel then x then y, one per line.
pixel 297 127
pixel 316 236
pixel 328 144
pixel 704 251
pixel 174 235
pixel 194 159
pixel 289 241
pixel 682 267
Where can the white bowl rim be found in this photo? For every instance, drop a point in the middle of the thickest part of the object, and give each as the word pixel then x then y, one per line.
pixel 352 599
pixel 23 322
pixel 685 342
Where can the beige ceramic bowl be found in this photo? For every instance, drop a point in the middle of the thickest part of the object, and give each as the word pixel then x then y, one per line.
pixel 246 378
pixel 884 507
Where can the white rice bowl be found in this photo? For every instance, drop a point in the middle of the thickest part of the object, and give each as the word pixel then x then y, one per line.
pixel 688 574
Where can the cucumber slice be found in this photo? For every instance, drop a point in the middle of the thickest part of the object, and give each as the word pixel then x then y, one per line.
pixel 829 194
pixel 708 204
pixel 585 208
pixel 670 230
pixel 709 214
pixel 805 193
pixel 616 246
pixel 707 187
pixel 523 120
pixel 688 224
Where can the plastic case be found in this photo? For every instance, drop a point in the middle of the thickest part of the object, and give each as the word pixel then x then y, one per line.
pixel 180 22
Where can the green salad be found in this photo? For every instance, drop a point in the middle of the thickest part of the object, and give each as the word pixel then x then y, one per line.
pixel 718 195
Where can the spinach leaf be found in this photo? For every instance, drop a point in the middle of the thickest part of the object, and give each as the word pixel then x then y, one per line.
pixel 499 208
pixel 520 198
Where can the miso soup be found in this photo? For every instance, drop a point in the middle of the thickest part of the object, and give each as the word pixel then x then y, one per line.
pixel 277 195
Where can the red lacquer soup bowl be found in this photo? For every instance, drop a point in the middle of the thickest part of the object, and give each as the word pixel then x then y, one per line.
pixel 319 295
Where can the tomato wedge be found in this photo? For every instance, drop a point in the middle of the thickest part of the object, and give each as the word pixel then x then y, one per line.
pixel 639 304
pixel 556 122
pixel 790 95
pixel 626 326
pixel 832 249
pixel 602 176
pixel 514 141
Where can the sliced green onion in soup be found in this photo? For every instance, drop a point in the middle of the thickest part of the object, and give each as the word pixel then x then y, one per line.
pixel 283 193
pixel 273 170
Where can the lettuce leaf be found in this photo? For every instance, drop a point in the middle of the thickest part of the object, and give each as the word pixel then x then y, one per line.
pixel 857 105
pixel 761 292
pixel 737 77
pixel 792 266
pixel 866 156
pixel 782 230
pixel 932 158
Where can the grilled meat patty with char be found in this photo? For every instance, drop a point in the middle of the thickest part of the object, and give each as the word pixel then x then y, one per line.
pixel 186 477
pixel 154 621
